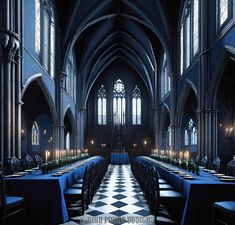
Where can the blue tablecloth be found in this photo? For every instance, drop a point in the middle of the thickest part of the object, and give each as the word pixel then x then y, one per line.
pixel 45 193
pixel 119 158
pixel 199 194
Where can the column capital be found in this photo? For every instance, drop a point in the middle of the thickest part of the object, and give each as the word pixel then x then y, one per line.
pixel 9 44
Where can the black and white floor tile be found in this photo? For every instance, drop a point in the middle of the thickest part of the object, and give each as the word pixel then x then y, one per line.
pixel 119 201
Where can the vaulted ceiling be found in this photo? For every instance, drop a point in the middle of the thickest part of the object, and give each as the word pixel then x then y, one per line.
pixel 137 31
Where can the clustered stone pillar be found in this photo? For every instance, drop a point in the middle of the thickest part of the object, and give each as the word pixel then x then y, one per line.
pixel 9 94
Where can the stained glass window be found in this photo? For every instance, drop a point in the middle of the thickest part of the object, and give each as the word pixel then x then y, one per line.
pixel 102 114
pixel 136 106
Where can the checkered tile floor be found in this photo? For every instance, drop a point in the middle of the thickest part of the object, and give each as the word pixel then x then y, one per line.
pixel 119 201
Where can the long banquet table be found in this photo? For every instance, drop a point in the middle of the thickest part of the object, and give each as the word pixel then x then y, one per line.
pixel 119 158
pixel 45 193
pixel 199 194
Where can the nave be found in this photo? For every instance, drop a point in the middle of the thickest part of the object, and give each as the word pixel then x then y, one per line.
pixel 119 200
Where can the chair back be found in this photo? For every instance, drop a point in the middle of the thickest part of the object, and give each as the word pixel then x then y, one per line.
pixel 204 161
pixel 38 160
pixel 230 169
pixel 29 161
pixel 216 164
pixel 16 165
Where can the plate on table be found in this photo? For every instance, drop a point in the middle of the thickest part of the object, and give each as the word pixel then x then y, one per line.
pixel 35 168
pixel 219 174
pixel 29 170
pixel 21 173
pixel 212 171
pixel 227 179
pixel 14 175
pixel 57 174
pixel 189 177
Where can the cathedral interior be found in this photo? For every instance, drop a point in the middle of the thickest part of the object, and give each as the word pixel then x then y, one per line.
pixel 117 112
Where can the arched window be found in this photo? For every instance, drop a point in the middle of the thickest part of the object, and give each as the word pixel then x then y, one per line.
pixel 37 26
pixel 189 33
pixel 136 106
pixel 168 137
pixel 70 80
pixel 186 138
pixel 194 136
pixel 67 141
pixel 165 78
pixel 35 134
pixel 190 133
pixel 52 45
pixel 45 34
pixel 102 114
pixel 119 103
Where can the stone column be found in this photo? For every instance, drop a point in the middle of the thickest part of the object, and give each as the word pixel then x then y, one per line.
pixel 174 126
pixel 156 144
pixel 9 84
pixel 81 122
pixel 203 84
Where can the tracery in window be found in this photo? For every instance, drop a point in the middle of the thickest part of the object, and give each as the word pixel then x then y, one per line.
pixel 102 114
pixel 189 33
pixel 37 26
pixel 45 35
pixel 136 106
pixel 119 103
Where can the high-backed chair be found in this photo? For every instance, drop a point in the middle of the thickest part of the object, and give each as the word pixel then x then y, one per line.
pixel 29 162
pixel 230 169
pixel 38 160
pixel 76 198
pixel 16 165
pixel 204 161
pixel 162 216
pixel 216 164
pixel 11 207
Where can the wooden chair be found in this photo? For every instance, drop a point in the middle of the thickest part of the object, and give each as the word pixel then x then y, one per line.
pixel 223 213
pixel 162 216
pixel 204 161
pixel 230 169
pixel 11 207
pixel 76 198
pixel 38 160
pixel 216 164
pixel 16 165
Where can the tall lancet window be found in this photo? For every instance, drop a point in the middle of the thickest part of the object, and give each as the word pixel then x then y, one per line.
pixel 223 11
pixel 119 103
pixel 35 134
pixel 136 106
pixel 67 141
pixel 165 78
pixel 102 113
pixel 52 46
pixel 168 137
pixel 37 26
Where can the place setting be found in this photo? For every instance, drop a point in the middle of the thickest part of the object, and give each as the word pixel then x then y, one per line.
pixel 227 178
